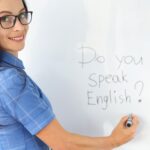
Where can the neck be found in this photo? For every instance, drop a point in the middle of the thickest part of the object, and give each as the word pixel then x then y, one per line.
pixel 13 53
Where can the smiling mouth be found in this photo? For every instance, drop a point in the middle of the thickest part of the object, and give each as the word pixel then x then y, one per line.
pixel 17 38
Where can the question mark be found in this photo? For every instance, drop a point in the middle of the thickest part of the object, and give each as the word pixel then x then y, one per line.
pixel 139 86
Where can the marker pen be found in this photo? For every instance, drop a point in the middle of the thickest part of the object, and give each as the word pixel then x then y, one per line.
pixel 129 121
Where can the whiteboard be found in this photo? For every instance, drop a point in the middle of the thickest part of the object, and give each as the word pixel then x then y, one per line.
pixel 91 59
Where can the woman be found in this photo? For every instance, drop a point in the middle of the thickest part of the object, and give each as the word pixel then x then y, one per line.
pixel 27 121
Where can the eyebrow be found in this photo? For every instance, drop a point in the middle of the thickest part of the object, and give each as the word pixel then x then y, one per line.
pixel 9 12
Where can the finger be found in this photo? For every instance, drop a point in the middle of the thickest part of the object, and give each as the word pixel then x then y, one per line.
pixel 135 118
pixel 123 120
pixel 135 122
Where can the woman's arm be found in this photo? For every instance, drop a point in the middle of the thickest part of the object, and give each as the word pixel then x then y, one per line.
pixel 56 137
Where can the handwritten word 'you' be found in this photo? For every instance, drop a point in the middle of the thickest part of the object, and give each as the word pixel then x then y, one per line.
pixel 89 55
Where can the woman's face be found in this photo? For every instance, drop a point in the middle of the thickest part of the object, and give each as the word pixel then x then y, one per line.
pixel 12 40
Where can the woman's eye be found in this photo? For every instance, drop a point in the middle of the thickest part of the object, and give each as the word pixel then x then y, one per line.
pixel 5 18
pixel 23 15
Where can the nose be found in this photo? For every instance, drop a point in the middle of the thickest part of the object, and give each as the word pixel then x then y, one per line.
pixel 18 26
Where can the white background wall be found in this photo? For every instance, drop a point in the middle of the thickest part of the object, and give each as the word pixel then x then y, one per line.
pixel 91 58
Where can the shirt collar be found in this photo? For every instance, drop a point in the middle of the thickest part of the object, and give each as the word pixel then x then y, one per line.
pixel 11 59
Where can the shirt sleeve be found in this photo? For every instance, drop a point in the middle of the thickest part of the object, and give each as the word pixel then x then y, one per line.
pixel 23 101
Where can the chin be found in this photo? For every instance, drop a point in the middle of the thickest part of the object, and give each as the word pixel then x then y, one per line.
pixel 14 49
pixel 17 47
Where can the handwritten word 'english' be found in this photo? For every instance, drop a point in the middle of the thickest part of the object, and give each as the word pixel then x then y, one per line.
pixel 89 55
pixel 112 97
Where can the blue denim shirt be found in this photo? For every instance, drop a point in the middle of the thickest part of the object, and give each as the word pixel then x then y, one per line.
pixel 24 109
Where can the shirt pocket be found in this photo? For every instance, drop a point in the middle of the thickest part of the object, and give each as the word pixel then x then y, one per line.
pixel 38 94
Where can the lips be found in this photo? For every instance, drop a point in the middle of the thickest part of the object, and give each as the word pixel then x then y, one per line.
pixel 17 38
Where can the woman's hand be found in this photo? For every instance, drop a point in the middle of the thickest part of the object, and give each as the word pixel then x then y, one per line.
pixel 122 134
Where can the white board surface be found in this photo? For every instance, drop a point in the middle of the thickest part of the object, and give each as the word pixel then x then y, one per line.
pixel 91 58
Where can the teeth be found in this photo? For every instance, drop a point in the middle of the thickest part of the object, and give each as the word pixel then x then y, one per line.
pixel 17 38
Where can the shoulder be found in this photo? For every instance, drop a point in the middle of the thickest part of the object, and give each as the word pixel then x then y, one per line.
pixel 9 73
pixel 12 80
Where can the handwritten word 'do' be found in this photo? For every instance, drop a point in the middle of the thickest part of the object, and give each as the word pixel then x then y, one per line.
pixel 89 55
pixel 110 98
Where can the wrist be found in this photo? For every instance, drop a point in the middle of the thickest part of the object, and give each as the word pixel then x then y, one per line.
pixel 112 141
